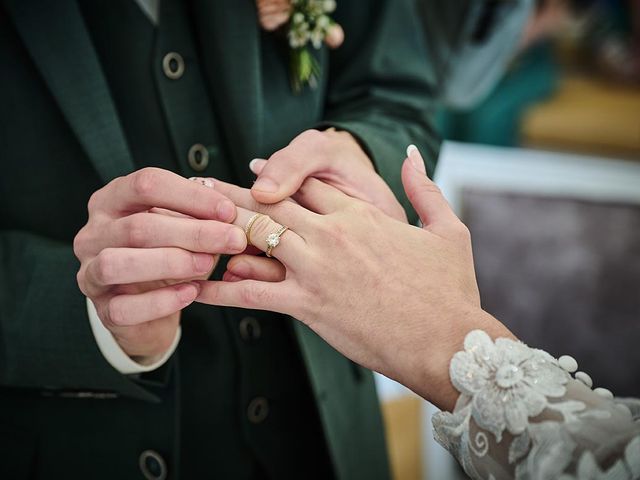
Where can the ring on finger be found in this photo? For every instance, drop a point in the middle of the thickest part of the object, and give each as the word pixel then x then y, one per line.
pixel 249 226
pixel 273 240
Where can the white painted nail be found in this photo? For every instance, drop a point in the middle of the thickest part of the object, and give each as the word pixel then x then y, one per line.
pixel 207 182
pixel 253 163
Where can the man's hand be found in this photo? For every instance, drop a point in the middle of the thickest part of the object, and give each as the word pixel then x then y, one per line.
pixel 334 157
pixel 137 253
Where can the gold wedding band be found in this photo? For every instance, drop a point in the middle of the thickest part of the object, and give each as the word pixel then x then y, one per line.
pixel 247 229
pixel 273 240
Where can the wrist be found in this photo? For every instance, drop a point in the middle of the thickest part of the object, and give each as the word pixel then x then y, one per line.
pixel 344 142
pixel 428 369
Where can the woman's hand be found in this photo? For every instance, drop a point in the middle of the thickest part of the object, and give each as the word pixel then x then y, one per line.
pixel 393 297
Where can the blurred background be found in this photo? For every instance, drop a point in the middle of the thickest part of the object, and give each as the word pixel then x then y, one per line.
pixel 540 112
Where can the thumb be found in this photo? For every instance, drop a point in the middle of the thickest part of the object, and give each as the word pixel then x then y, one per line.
pixel 279 177
pixel 257 165
pixel 424 195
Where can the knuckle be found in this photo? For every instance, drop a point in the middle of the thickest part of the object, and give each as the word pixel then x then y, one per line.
pixel 253 295
pixel 334 233
pixel 365 209
pixel 79 241
pixel 315 140
pixel 199 237
pixel 105 267
pixel 137 230
pixel 312 135
pixel 115 313
pixel 80 279
pixel 461 232
pixel 145 182
pixel 94 201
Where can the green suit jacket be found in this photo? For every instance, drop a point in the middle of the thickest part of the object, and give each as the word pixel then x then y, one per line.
pixel 61 139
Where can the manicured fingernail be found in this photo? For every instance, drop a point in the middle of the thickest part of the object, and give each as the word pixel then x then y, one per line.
pixel 266 185
pixel 226 211
pixel 253 165
pixel 416 159
pixel 236 240
pixel 207 182
pixel 202 262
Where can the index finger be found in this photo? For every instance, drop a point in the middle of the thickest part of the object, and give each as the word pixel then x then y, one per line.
pixel 155 187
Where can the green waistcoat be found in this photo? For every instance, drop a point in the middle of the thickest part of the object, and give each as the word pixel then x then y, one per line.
pixel 247 394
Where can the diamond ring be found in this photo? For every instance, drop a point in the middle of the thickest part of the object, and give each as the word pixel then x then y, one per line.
pixel 273 240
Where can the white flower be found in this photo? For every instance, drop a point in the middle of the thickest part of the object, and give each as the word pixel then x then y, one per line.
pixel 323 22
pixel 508 381
pixel 299 35
pixel 316 39
pixel 329 5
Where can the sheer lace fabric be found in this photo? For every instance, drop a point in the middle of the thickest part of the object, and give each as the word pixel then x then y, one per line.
pixel 520 415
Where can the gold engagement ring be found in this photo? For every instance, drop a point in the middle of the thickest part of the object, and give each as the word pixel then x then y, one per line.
pixel 273 240
pixel 247 229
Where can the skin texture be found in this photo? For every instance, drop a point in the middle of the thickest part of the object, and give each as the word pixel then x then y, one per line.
pixel 152 233
pixel 331 156
pixel 136 254
pixel 393 297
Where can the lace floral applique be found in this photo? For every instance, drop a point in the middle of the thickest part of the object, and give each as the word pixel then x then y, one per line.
pixel 542 424
pixel 508 381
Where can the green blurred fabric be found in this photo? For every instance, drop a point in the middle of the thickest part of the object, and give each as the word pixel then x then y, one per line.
pixel 496 120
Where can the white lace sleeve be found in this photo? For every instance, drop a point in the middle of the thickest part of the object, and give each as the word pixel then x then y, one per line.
pixel 522 415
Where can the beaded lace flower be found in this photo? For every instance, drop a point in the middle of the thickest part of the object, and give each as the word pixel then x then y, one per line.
pixel 521 415
pixel 509 382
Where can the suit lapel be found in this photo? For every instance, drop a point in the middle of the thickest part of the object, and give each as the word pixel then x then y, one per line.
pixel 230 37
pixel 56 37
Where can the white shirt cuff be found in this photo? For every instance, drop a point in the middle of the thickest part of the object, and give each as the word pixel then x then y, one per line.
pixel 117 357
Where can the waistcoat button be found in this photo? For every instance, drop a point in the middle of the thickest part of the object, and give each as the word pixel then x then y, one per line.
pixel 258 410
pixel 198 157
pixel 173 65
pixel 152 465
pixel 249 329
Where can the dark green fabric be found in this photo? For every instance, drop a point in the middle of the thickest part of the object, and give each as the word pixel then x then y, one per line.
pixel 62 136
pixel 158 125
pixel 127 62
pixel 381 87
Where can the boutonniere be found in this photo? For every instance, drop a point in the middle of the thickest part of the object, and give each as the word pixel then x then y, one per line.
pixel 308 25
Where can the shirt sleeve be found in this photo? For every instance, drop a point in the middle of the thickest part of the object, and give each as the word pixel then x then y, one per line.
pixel 117 357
